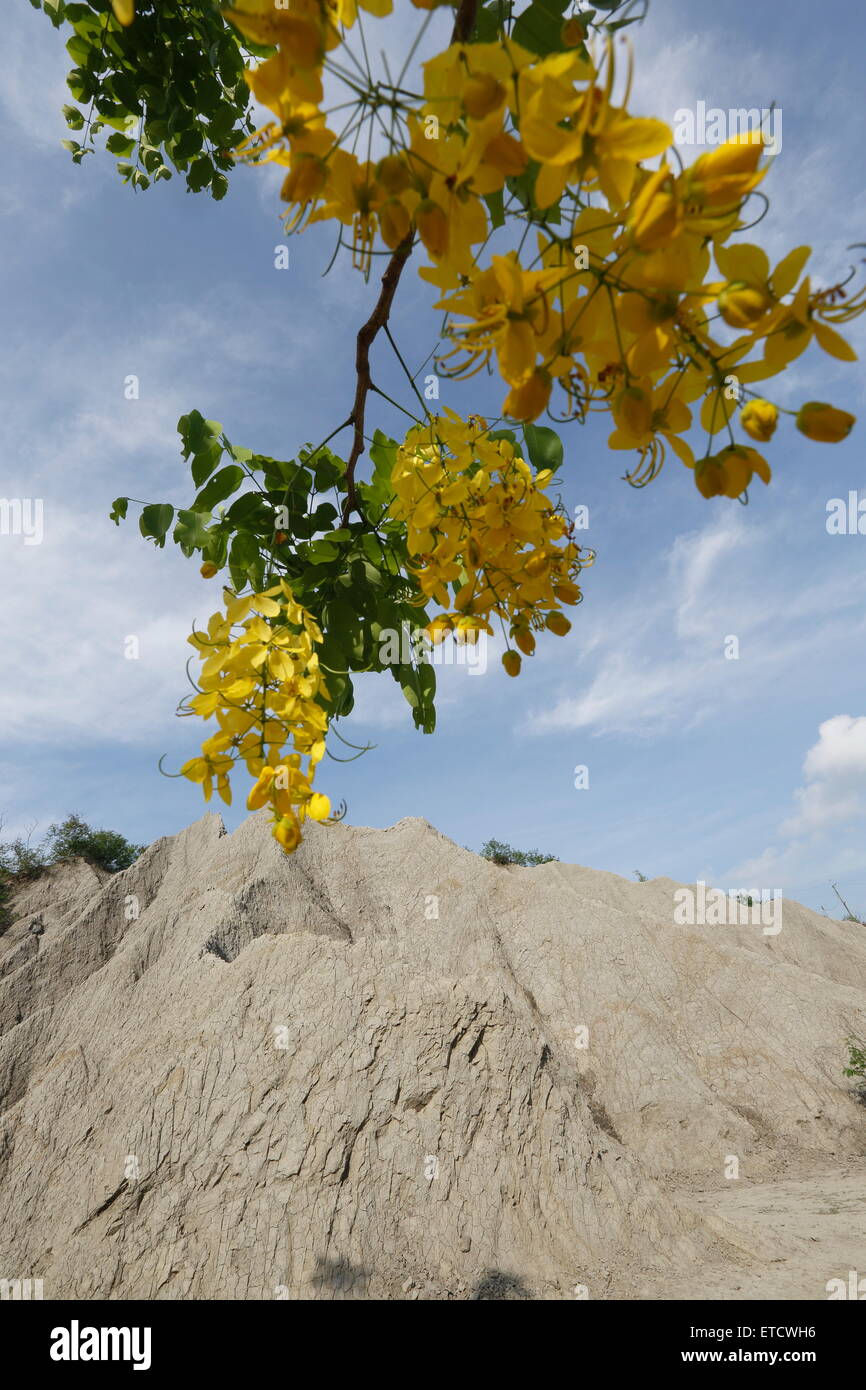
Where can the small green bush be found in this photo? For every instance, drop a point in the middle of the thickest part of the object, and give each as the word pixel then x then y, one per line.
pixel 74 839
pixel 21 862
pixel 856 1061
pixel 501 853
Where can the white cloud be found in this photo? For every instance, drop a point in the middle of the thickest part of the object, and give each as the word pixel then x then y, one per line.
pixel 835 770
pixel 658 663
pixel 77 597
pixel 823 840
pixel 33 77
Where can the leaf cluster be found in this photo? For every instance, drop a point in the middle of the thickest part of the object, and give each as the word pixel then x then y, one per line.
pixel 167 93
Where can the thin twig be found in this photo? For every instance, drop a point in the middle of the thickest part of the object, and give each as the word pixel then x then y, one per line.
pixel 464 23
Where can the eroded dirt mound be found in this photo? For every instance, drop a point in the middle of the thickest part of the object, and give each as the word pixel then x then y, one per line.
pixel 386 1068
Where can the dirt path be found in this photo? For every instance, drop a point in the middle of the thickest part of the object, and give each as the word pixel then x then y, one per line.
pixel 794 1234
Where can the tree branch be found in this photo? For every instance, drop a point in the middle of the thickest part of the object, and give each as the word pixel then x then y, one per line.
pixel 366 337
pixel 464 23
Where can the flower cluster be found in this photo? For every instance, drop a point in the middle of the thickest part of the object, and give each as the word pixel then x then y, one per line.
pixel 623 314
pixel 262 681
pixel 620 308
pixel 479 520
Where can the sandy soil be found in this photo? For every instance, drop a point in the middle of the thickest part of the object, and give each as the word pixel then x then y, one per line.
pixel 795 1234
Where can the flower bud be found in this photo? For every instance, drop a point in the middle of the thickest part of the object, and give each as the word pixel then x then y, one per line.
pixel 557 623
pixel 512 663
pixel 656 215
pixel 709 478
pixel 759 419
pixel 287 832
pixel 742 305
pixel 208 570
pixel 572 33
pixel 824 423
pixel 392 174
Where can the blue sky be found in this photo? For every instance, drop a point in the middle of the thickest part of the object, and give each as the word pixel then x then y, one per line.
pixel 739 772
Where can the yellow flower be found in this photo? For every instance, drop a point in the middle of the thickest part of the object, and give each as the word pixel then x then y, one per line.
pixel 720 180
pixel 729 473
pixel 647 419
pixel 479 521
pixel 509 310
pixel 482 93
pixel 261 680
pixel 208 570
pixel 301 39
pixel 824 423
pixel 124 11
pixel 655 216
pixel 577 137
pixel 529 400
pixel 759 419
pixel 432 225
pixel 210 770
pixel 287 832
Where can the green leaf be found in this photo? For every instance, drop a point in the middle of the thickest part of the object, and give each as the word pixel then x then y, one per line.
pixel 383 453
pixel 251 511
pixel 74 118
pixel 196 432
pixel 544 447
pixel 191 531
pixel 205 462
pixel 245 560
pixel 321 552
pixel 490 21
pixel 237 452
pixel 418 684
pixel 324 514
pixel 188 144
pixel 118 510
pixel 221 486
pixel 496 208
pixel 155 521
pixel 539 27
pixel 200 174
pixel 78 49
pixel 120 144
